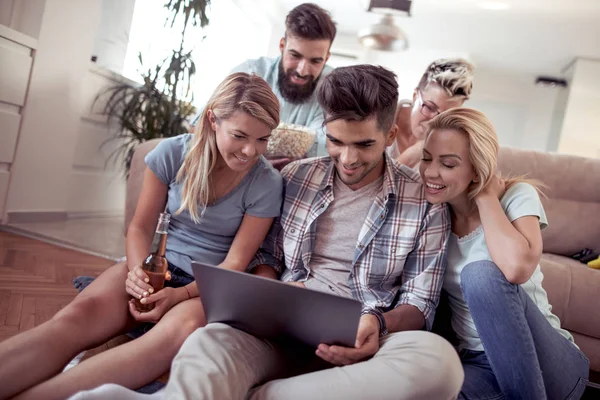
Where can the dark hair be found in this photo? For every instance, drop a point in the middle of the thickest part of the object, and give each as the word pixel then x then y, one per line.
pixel 309 21
pixel 359 92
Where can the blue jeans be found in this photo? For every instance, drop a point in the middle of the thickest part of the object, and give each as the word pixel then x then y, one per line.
pixel 525 357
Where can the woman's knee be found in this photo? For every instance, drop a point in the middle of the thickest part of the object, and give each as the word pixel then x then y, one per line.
pixel 179 328
pixel 81 313
pixel 480 277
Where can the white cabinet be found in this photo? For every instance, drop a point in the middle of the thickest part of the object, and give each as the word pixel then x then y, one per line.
pixel 16 57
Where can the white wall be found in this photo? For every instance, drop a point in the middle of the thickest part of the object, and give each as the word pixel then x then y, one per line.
pixel 558 118
pixel 51 118
pixel 521 112
pixel 110 44
pixel 237 32
pixel 580 133
pixel 96 187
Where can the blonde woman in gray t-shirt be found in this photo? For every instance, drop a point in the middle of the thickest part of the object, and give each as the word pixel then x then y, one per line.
pixel 511 345
pixel 222 195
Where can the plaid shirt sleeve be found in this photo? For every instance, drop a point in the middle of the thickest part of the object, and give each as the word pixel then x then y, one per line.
pixel 424 267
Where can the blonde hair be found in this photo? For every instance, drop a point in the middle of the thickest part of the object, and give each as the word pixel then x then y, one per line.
pixel 238 92
pixel 455 76
pixel 483 145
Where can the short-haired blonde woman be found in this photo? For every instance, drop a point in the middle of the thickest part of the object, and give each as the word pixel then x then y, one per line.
pixel 222 195
pixel 511 345
pixel 445 84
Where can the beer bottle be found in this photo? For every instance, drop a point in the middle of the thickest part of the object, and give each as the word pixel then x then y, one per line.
pixel 155 265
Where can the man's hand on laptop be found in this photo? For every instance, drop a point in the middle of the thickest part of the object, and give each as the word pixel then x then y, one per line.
pixel 367 344
pixel 299 284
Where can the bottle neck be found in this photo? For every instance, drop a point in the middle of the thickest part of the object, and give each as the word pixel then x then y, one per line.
pixel 159 243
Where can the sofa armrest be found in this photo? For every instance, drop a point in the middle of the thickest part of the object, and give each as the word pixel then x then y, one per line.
pixel 572 290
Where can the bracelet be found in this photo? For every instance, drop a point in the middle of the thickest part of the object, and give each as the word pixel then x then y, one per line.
pixel 188 293
pixel 379 315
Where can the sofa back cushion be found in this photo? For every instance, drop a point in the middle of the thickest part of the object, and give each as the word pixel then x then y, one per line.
pixel 573 196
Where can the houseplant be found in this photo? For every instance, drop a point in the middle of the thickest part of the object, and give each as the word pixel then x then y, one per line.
pixel 162 104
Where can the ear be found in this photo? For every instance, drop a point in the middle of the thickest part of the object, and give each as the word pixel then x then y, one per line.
pixel 327 57
pixel 414 100
pixel 391 135
pixel 476 179
pixel 282 44
pixel 212 119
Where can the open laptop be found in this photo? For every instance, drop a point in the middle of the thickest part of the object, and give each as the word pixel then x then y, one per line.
pixel 269 308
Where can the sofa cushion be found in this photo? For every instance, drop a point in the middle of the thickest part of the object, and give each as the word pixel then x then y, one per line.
pixel 573 293
pixel 573 196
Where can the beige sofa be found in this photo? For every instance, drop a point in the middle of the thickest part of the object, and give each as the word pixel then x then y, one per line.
pixel 572 207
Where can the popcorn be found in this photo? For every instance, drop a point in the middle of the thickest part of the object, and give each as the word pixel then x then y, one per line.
pixel 289 140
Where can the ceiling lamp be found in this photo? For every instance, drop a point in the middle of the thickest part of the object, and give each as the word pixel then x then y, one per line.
pixel 385 34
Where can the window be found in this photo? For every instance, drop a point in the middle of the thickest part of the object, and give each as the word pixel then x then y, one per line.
pixel 232 37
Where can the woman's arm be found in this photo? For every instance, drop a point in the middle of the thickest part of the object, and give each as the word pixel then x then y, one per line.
pixel 412 156
pixel 151 203
pixel 516 248
pixel 250 235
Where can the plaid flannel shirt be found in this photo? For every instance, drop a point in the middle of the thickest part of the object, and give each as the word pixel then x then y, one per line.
pixel 399 257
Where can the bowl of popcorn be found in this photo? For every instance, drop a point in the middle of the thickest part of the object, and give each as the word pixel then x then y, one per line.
pixel 289 140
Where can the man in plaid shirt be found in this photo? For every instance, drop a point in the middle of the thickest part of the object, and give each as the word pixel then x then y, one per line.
pixel 355 224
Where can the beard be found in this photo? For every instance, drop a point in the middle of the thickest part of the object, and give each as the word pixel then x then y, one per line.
pixel 294 93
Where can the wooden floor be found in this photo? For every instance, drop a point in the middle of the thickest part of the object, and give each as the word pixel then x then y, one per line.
pixel 35 280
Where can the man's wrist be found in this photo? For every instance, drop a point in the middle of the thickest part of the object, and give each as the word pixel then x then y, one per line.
pixel 380 318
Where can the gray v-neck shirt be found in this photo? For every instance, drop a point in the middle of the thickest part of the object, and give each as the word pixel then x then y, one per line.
pixel 336 236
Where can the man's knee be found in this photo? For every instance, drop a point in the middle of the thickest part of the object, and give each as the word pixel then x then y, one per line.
pixel 217 338
pixel 433 360
pixel 219 362
pixel 210 336
pixel 202 346
pixel 446 372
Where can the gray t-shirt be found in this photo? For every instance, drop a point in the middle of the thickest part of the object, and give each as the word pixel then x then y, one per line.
pixel 519 201
pixel 259 194
pixel 336 235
